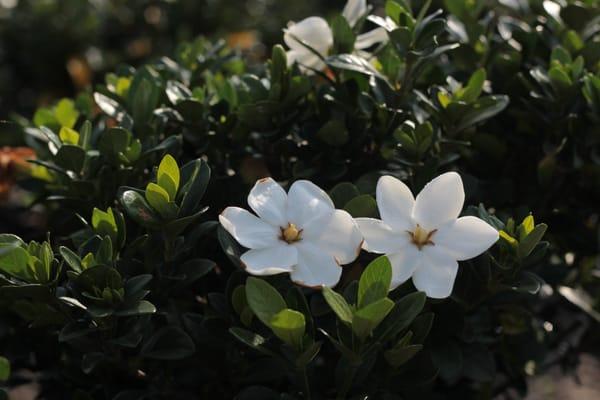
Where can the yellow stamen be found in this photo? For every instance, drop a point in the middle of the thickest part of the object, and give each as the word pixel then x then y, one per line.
pixel 291 233
pixel 421 237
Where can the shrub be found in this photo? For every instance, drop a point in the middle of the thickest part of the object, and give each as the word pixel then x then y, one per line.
pixel 138 292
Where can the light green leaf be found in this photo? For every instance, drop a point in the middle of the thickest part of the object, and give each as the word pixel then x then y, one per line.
pixel 168 176
pixel 528 243
pixel 69 136
pixel 104 223
pixel 66 114
pixel 374 283
pixel 367 318
pixel 263 299
pixel 338 304
pixel 158 198
pixel 289 326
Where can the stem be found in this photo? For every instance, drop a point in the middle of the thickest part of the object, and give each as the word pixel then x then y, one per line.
pixel 306 383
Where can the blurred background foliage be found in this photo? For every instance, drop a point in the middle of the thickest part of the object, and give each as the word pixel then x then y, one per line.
pixel 53 48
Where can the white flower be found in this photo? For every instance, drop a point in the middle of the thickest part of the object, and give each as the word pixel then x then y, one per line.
pixel 316 33
pixel 423 237
pixel 300 232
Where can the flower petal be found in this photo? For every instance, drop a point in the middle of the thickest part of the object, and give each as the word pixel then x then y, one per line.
pixel 353 10
pixel 465 238
pixel 315 267
pixel 268 199
pixel 314 31
pixel 307 203
pixel 249 230
pixel 380 237
pixel 307 61
pixel 338 235
pixel 368 39
pixel 404 264
pixel 440 201
pixel 395 202
pixel 436 274
pixel 270 261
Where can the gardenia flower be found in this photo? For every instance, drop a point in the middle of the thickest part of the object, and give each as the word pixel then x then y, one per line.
pixel 300 232
pixel 315 32
pixel 423 237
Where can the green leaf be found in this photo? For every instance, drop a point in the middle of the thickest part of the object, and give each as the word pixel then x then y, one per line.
pixel 114 141
pixel 398 356
pixel 4 369
pixel 15 262
pixel 473 89
pixel 139 308
pixel 71 259
pixel 342 193
pixel 366 319
pixel 158 199
pixel 250 339
pixel 374 283
pixel 169 343
pixel 138 208
pixel 404 312
pixel 263 299
pixel 68 136
pixel 338 304
pixel 168 176
pixel 351 62
pixel 70 157
pixel 401 39
pixel 289 326
pixel 85 135
pixel 484 108
pixel 65 112
pixel 196 176
pixel 343 35
pixel 278 63
pixel 362 206
pixel 528 243
pixel 104 223
pixel 334 133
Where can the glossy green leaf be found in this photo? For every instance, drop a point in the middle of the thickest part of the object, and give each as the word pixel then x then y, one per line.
pixel 263 299
pixel 338 304
pixel 374 283
pixel 289 326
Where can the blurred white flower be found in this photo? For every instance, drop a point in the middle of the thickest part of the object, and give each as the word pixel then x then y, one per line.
pixel 423 237
pixel 316 33
pixel 300 232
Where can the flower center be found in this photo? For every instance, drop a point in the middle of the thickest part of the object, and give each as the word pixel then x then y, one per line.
pixel 421 237
pixel 291 234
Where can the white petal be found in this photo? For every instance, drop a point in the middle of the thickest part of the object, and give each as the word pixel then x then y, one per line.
pixel 268 199
pixel 395 202
pixel 308 203
pixel 404 264
pixel 315 268
pixel 465 238
pixel 270 261
pixel 436 274
pixel 440 201
pixel 314 31
pixel 380 238
pixel 249 230
pixel 353 10
pixel 337 235
pixel 368 39
pixel 306 60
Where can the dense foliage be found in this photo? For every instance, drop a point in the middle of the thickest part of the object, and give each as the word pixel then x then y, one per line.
pixel 137 291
